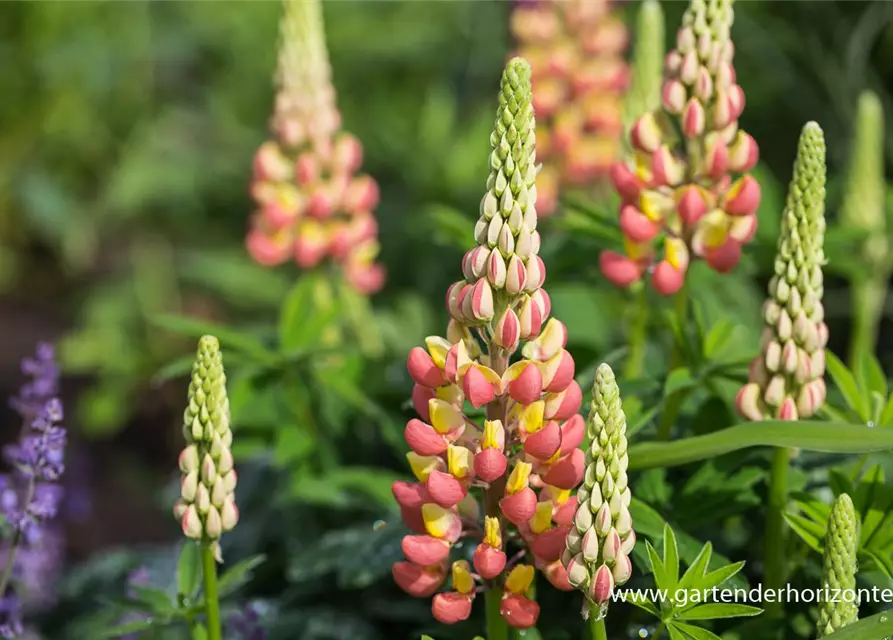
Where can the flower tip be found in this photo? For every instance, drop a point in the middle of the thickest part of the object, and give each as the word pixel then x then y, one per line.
pixel 518 611
pixel 619 269
pixel 667 279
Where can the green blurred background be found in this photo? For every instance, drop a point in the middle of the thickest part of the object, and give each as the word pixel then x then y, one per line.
pixel 127 131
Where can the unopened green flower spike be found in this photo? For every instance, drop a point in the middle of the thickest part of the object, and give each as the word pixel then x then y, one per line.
pixel 599 544
pixel 787 378
pixel 839 571
pixel 863 209
pixel 207 504
pixel 646 74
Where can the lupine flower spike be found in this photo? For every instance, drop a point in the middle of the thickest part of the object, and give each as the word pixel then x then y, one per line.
pixel 207 505
pixel 687 193
pixel 30 495
pixel 312 205
pixel 525 456
pixel 864 208
pixel 839 570
pixel 787 378
pixel 646 72
pixel 599 544
pixel 576 50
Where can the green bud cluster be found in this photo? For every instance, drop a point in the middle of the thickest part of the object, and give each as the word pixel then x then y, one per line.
pixel 599 544
pixel 207 504
pixel 839 570
pixel 648 61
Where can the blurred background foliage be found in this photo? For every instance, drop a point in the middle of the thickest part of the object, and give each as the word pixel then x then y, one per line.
pixel 126 142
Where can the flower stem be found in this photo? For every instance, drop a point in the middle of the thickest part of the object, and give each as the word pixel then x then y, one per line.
pixel 774 570
pixel 497 628
pixel 212 603
pixel 658 631
pixel 674 402
pixel 597 629
pixel 635 360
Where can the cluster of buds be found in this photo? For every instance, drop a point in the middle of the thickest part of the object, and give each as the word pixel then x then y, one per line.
pixel 598 550
pixel 839 568
pixel 312 205
pixel 576 49
pixel 787 378
pixel 680 190
pixel 525 457
pixel 207 504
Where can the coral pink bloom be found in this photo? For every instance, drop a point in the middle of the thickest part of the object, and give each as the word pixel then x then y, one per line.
pixel 265 250
pixel 667 279
pixel 488 562
pixel 519 612
pixel 451 607
pixel 417 581
pixel 619 269
pixel 725 257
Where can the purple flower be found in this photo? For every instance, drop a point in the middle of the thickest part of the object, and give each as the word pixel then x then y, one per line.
pixel 245 625
pixel 29 493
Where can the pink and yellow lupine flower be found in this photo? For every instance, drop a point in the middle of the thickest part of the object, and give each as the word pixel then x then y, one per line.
pixel 576 50
pixel 312 205
pixel 688 194
pixel 524 455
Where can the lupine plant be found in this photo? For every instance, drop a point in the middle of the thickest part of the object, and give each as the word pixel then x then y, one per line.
pixel 522 453
pixel 576 50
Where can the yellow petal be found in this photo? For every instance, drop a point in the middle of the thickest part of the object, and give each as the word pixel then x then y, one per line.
pixel 494 435
pixel 531 418
pixel 559 496
pixel 422 466
pixel 459 461
pixel 492 532
pixel 462 580
pixel 450 393
pixel 438 348
pixel 542 517
pixel 519 579
pixel 635 250
pixel 437 519
pixel 518 478
pixel 444 416
pixel 676 252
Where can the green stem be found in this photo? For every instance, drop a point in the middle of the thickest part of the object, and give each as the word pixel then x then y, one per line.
pixel 674 402
pixel 16 539
pixel 635 360
pixel 658 631
pixel 497 629
pixel 212 602
pixel 775 565
pixel 867 309
pixel 597 629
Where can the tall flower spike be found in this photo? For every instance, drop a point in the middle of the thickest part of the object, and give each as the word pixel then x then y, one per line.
pixel 598 547
pixel 312 205
pixel 687 193
pixel 647 65
pixel 30 495
pixel 787 378
pixel 839 570
pixel 524 460
pixel 207 504
pixel 576 49
pixel 863 208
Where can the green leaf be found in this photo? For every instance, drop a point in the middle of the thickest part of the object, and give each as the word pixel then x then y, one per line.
pixel 809 435
pixel 886 418
pixel 869 375
pixel 719 576
pixel 640 600
pixel 718 338
pixel 661 577
pixel 679 380
pixel 695 633
pixel 128 628
pixel 877 626
pixel 882 561
pixel 229 338
pixel 717 610
pixel 671 558
pixel 697 569
pixel 189 569
pixel 812 533
pixel 238 575
pixel 156 600
pixel 846 382
pixel 308 310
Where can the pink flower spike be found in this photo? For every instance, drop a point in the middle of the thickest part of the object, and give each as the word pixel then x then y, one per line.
pixel 518 611
pixel 422 369
pixel 667 279
pixel 619 269
pixel 444 489
pixel 488 562
pixel 424 439
pixel 416 580
pixel 425 550
pixel 490 464
pixel 725 257
pixel 636 225
pixel 567 473
pixel 451 607
pixel 572 432
pixel 477 388
pixel 627 184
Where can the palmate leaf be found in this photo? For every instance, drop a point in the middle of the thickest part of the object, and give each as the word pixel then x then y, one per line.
pixel 877 626
pixel 809 435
